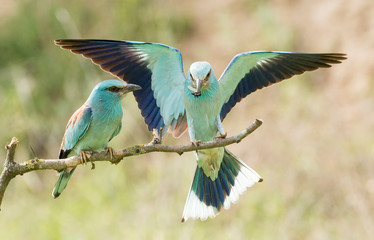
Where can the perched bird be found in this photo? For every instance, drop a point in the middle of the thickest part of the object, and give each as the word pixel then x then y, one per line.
pixel 169 99
pixel 93 125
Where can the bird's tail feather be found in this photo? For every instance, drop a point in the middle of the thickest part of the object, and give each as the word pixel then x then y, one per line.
pixel 207 197
pixel 62 182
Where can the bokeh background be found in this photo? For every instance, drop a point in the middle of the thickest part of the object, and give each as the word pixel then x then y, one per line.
pixel 315 149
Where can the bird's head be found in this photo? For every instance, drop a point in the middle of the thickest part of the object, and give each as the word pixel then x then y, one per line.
pixel 112 90
pixel 199 76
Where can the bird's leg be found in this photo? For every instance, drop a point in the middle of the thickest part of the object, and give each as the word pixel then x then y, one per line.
pixel 160 134
pixel 191 132
pixel 221 131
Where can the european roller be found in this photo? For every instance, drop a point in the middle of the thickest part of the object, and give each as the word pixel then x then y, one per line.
pixel 93 125
pixel 171 100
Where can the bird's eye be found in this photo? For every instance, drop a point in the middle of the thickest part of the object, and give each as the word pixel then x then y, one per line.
pixel 207 76
pixel 191 77
pixel 113 89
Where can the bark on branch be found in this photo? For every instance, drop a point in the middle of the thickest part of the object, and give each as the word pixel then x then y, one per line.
pixel 12 169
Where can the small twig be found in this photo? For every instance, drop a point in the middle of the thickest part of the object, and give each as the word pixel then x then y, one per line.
pixel 33 152
pixel 12 169
pixel 8 174
pixel 11 150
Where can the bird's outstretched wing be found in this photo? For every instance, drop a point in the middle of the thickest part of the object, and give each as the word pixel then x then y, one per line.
pixel 75 129
pixel 157 68
pixel 250 71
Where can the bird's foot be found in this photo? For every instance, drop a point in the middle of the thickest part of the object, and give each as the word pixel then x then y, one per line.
pixel 92 163
pixel 110 151
pixel 157 136
pixel 221 136
pixel 196 143
pixel 84 157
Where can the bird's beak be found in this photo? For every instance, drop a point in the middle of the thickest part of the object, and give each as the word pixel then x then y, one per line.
pixel 131 88
pixel 197 91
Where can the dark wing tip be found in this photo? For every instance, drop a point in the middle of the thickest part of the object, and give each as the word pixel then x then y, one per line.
pixel 69 41
pixel 334 57
pixel 77 41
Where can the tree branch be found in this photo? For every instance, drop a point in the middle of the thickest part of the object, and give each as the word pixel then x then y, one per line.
pixel 12 169
pixel 8 174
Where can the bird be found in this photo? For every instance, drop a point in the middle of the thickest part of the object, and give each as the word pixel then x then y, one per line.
pixel 199 102
pixel 93 125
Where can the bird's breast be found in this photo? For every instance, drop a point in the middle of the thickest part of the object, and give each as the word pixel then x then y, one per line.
pixel 202 112
pixel 102 127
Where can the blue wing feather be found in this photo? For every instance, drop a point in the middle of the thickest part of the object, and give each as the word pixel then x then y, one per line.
pixel 158 120
pixel 250 71
pixel 147 101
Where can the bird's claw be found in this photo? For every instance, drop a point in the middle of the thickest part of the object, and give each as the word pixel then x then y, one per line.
pixel 84 157
pixel 110 151
pixel 221 136
pixel 157 136
pixel 196 143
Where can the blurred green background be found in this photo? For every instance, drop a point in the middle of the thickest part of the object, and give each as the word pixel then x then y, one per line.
pixel 315 149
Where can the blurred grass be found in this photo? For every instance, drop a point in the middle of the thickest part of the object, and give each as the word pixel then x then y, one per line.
pixel 315 149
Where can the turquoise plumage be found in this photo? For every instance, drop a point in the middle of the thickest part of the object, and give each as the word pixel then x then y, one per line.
pixel 170 100
pixel 93 125
pixel 220 176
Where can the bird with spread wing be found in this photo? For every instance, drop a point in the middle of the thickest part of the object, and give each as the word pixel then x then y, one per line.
pixel 199 101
